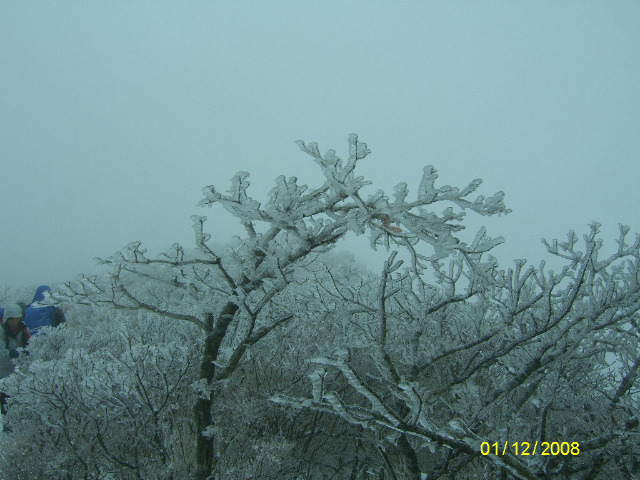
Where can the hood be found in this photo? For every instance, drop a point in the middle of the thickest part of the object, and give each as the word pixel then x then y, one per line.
pixel 39 296
pixel 12 311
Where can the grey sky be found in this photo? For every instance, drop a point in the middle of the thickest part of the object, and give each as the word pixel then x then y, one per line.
pixel 115 114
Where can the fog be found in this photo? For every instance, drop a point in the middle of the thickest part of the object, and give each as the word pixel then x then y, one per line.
pixel 115 114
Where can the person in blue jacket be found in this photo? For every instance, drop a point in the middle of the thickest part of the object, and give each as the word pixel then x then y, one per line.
pixel 36 317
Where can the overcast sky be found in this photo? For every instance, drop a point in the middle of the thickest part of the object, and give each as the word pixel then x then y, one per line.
pixel 114 115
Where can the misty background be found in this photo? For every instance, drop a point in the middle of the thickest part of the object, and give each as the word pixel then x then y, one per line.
pixel 114 115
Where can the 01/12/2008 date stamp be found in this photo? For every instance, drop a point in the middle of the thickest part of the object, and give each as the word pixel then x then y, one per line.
pixel 530 448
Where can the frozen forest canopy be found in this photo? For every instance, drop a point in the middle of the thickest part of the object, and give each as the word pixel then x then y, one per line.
pixel 272 361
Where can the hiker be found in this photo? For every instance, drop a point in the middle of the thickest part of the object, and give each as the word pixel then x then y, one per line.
pixel 6 365
pixel 36 317
pixel 6 368
pixel 15 335
pixel 16 332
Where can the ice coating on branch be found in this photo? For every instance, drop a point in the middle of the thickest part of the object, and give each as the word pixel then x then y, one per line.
pixel 298 218
pixel 426 189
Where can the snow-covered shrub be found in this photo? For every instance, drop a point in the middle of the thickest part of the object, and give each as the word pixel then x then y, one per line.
pixel 103 394
pixel 304 444
pixel 486 355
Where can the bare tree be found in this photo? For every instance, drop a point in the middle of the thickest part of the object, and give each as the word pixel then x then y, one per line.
pixel 488 373
pixel 234 300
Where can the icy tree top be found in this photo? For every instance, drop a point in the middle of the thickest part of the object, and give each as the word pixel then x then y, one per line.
pixel 297 219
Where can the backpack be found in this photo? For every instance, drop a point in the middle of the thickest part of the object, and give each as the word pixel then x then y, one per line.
pixel 13 343
pixel 37 317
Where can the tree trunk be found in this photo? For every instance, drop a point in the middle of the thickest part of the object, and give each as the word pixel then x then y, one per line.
pixel 410 458
pixel 205 447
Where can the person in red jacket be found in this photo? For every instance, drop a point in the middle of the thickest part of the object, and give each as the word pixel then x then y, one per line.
pixel 16 335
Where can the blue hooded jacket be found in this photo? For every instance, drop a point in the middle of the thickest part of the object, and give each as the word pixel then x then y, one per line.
pixel 39 295
pixel 37 317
